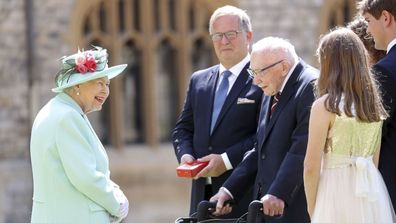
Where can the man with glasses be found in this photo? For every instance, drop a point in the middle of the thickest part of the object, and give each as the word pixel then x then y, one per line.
pixel 275 164
pixel 220 115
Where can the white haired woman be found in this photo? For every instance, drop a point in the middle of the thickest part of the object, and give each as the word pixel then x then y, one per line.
pixel 71 177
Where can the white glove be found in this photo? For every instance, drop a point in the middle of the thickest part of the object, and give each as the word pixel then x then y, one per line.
pixel 124 209
pixel 124 204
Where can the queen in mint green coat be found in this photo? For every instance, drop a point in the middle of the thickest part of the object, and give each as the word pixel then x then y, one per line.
pixel 71 177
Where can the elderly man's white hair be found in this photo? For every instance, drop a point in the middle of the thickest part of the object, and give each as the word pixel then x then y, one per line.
pixel 277 46
pixel 244 19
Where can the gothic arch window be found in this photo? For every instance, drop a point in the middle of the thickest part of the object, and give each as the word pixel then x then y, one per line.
pixel 336 13
pixel 201 54
pixel 162 41
pixel 166 85
pixel 132 97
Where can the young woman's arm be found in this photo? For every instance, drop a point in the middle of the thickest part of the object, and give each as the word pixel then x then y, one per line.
pixel 319 125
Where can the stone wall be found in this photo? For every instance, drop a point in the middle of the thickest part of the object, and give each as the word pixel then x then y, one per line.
pixel 295 20
pixel 15 186
pixel 51 24
pixel 19 98
pixel 15 191
pixel 13 81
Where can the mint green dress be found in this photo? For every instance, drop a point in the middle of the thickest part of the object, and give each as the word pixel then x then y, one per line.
pixel 71 177
pixel 351 189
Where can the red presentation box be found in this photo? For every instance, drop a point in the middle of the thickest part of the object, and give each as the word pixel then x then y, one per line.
pixel 190 170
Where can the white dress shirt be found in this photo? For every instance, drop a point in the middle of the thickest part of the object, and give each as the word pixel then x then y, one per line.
pixel 390 45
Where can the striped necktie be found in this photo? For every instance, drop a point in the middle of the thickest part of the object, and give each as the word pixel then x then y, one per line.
pixel 275 100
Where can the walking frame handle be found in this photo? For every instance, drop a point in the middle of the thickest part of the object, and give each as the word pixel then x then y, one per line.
pixel 205 208
pixel 255 210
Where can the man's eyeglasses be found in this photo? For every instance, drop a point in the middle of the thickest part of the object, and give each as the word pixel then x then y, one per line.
pixel 256 72
pixel 230 35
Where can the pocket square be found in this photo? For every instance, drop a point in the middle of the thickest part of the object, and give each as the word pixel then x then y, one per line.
pixel 245 101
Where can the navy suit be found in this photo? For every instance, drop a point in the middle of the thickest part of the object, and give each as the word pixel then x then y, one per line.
pixel 233 133
pixel 385 71
pixel 276 163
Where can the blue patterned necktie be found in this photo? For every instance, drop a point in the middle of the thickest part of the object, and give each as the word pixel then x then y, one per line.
pixel 220 97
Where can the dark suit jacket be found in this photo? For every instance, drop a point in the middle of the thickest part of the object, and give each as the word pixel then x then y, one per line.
pixel 385 71
pixel 233 133
pixel 276 163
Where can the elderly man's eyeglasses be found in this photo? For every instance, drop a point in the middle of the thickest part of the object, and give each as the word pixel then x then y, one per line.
pixel 230 35
pixel 256 72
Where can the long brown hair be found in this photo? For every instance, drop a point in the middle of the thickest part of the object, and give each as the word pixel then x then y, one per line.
pixel 345 73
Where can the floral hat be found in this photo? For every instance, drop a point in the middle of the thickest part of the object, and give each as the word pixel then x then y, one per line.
pixel 85 66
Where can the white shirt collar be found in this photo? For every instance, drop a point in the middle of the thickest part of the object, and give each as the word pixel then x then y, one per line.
pixel 288 76
pixel 390 45
pixel 236 69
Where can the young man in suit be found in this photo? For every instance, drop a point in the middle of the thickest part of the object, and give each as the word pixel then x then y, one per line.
pixel 219 119
pixel 380 16
pixel 275 165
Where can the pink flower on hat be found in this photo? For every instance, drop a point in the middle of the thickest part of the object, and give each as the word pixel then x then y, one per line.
pixel 91 65
pixel 85 62
pixel 81 68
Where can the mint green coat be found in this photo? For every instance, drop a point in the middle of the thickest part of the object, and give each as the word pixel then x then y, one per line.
pixel 71 177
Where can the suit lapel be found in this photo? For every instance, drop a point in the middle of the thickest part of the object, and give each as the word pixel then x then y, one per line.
pixel 241 82
pixel 287 94
pixel 264 118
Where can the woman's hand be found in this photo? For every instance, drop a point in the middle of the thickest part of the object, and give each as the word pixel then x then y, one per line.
pixel 124 204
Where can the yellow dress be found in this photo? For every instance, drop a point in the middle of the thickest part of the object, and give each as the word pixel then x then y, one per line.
pixel 351 189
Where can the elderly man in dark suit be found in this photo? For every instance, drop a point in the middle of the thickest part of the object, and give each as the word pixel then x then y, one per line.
pixel 220 115
pixel 275 165
pixel 380 16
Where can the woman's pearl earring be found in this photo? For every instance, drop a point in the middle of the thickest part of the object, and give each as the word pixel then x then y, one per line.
pixel 78 93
